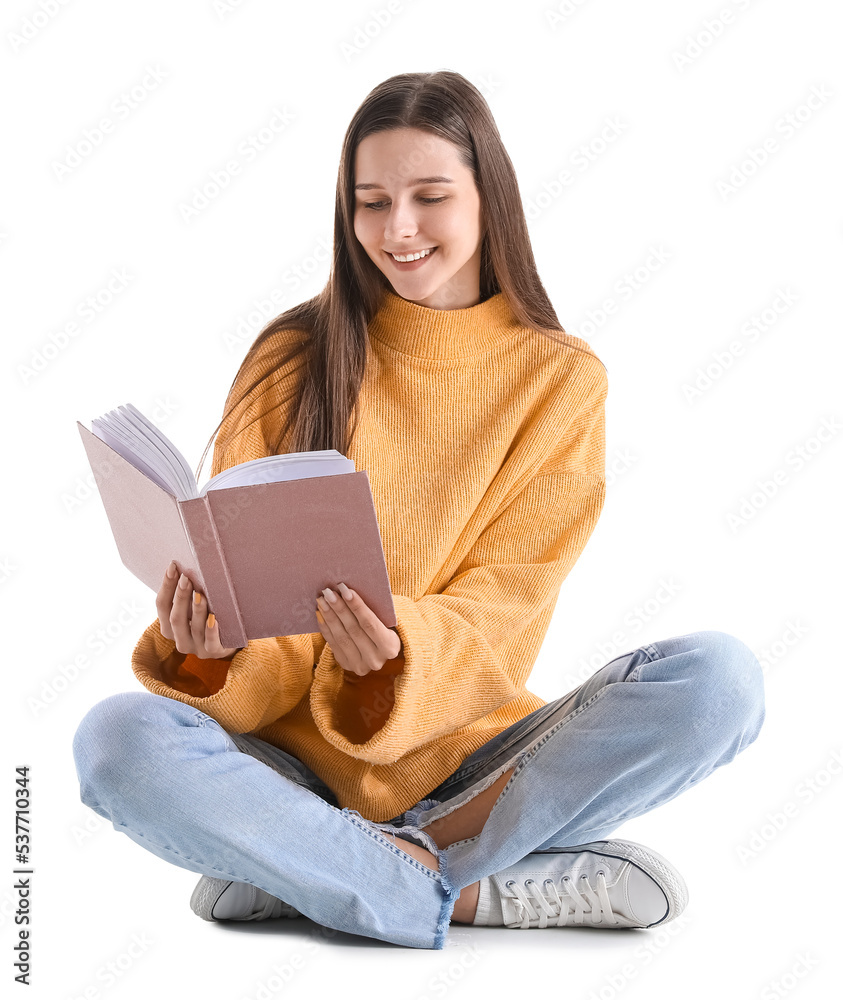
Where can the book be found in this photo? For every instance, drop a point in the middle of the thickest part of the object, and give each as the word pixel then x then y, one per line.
pixel 260 540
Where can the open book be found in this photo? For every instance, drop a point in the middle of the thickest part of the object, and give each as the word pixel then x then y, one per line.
pixel 260 540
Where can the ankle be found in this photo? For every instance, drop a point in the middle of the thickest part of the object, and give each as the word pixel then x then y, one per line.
pixel 466 905
pixel 465 908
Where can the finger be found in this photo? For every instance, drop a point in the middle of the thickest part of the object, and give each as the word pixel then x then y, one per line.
pixel 212 642
pixel 324 631
pixel 345 649
pixel 381 640
pixel 198 620
pixel 211 638
pixel 362 639
pixel 164 599
pixel 349 607
pixel 330 620
pixel 179 615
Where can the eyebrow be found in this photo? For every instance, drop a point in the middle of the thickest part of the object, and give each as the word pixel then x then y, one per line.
pixel 418 180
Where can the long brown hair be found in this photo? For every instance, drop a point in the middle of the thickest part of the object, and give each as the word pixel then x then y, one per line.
pixel 334 323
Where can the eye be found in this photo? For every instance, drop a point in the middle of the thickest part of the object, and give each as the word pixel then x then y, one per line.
pixel 376 205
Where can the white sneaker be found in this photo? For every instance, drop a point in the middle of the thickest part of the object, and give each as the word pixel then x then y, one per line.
pixel 218 899
pixel 606 883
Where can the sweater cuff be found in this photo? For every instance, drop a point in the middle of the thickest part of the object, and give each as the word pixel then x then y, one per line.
pixel 259 684
pixel 347 710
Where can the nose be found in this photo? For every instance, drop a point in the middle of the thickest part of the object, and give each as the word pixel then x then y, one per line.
pixel 400 221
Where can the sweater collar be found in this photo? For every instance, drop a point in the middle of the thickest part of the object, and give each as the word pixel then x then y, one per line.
pixel 422 332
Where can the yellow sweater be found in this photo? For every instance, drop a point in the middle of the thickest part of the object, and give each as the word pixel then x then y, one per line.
pixel 484 445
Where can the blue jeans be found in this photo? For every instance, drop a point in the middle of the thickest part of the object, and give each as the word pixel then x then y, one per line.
pixel 639 731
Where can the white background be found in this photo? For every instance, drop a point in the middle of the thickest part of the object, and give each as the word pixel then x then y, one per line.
pixel 667 557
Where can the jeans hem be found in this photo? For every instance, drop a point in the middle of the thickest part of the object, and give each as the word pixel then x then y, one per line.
pixel 448 903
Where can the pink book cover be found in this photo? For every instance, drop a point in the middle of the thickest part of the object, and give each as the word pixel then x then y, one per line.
pixel 259 552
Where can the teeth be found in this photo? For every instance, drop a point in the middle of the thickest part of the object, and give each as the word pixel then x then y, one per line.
pixel 413 256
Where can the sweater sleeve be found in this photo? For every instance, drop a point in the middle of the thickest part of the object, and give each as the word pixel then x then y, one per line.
pixel 464 648
pixel 265 679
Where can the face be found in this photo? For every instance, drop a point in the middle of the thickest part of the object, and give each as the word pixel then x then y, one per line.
pixel 413 194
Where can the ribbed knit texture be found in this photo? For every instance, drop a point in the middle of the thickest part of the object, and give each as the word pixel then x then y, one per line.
pixel 484 445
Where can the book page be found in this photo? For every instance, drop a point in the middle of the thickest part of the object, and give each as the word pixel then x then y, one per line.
pixel 281 468
pixel 141 443
pixel 148 449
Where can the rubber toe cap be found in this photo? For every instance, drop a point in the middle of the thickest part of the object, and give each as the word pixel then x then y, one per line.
pixel 647 901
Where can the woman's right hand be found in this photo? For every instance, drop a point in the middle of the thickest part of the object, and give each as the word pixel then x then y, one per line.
pixel 191 632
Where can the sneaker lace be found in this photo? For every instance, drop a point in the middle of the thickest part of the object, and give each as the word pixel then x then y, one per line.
pixel 546 907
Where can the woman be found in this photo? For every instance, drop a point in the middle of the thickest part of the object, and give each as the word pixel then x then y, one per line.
pixel 387 781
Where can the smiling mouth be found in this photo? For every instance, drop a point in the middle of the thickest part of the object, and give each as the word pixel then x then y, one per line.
pixel 406 258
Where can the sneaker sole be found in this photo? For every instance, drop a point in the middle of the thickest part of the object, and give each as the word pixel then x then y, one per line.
pixel 649 861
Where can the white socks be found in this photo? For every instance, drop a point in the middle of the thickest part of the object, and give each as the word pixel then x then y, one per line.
pixel 489 911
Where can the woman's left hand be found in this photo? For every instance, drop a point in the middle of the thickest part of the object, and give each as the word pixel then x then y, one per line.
pixel 360 641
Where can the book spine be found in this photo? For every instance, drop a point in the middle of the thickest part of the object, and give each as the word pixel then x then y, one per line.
pixel 205 540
